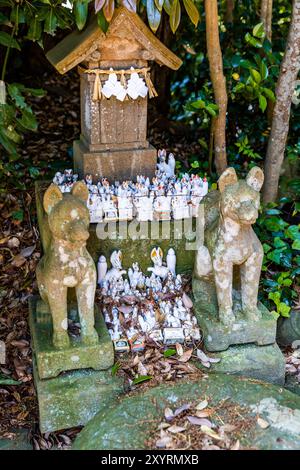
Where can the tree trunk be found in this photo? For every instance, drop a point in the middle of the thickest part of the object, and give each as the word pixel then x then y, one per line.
pixel 266 17
pixel 284 92
pixel 161 75
pixel 214 54
pixel 229 11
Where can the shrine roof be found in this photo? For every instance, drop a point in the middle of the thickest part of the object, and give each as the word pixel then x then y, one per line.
pixel 79 45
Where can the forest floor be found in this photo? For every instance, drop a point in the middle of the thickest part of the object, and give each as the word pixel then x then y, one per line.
pixel 20 250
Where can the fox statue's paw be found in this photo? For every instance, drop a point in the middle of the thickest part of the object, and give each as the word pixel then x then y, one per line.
pixel 226 316
pixel 90 338
pixel 252 313
pixel 61 340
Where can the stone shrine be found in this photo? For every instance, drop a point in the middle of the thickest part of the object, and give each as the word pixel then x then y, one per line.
pixel 113 141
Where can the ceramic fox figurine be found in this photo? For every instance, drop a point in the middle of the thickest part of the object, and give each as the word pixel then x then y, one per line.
pixel 67 263
pixel 230 240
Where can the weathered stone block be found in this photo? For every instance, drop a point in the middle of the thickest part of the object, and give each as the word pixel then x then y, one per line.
pixel 73 398
pixel 50 361
pixel 288 329
pixel 217 336
pixel 257 362
pixel 114 164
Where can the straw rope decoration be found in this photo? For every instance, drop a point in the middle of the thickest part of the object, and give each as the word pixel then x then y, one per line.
pixel 97 91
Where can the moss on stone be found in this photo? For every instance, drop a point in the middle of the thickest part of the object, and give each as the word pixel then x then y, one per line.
pixel 128 424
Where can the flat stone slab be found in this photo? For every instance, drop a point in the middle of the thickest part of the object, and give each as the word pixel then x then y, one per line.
pixel 217 336
pixel 73 398
pixel 51 362
pixel 129 424
pixel 19 441
pixel 265 363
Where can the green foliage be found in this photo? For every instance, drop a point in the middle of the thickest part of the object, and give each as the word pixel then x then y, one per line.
pixel 16 118
pixel 154 10
pixel 281 264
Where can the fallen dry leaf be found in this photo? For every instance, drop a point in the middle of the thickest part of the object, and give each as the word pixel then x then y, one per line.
pixel 202 405
pixel 262 423
pixel 199 421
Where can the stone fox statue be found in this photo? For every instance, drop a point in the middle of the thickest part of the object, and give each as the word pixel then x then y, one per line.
pixel 230 240
pixel 67 263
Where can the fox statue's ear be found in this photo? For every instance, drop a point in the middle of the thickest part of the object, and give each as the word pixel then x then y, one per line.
pixel 52 196
pixel 80 190
pixel 228 177
pixel 255 178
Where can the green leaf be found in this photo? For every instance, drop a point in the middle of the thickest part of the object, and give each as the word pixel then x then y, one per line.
pixel 262 102
pixel 266 247
pixel 28 120
pixel 12 134
pixel 278 243
pixel 35 30
pixel 275 224
pixel 275 256
pixel 293 232
pixel 258 31
pixel 236 60
pixel 296 245
pixel 255 75
pixel 115 368
pixel 275 296
pixel 159 4
pixel 273 211
pixel 102 21
pixel 175 15
pixel 268 93
pixel 211 110
pixel 198 104
pixel 153 14
pixel 18 215
pixel 34 172
pixel 15 94
pixel 251 40
pixel 4 380
pixel 9 146
pixel 141 378
pixel 9 41
pixel 51 23
pixel 167 7
pixel 169 352
pixel 80 10
pixel 283 309
pixel 263 69
pixel 192 11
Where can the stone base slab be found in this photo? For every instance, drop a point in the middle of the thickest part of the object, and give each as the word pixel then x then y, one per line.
pixel 257 362
pixel 73 398
pixel 51 362
pixel 217 336
pixel 114 164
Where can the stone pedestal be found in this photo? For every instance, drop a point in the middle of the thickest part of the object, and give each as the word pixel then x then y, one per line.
pixel 51 362
pixel 217 336
pixel 71 398
pixel 260 360
pixel 114 163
